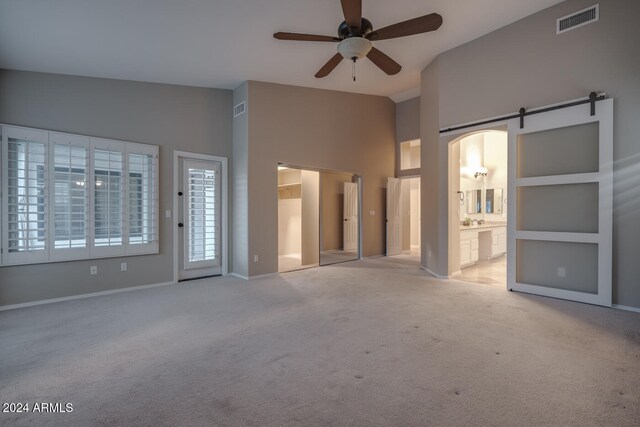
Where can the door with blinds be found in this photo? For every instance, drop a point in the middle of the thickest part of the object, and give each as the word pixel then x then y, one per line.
pixel 199 219
pixel 560 203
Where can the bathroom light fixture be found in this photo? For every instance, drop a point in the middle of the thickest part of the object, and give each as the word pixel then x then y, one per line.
pixel 480 171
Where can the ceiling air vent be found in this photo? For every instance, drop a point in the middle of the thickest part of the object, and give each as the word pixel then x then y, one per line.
pixel 239 109
pixel 578 19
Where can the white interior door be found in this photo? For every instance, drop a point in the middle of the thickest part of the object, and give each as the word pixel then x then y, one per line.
pixel 560 204
pixel 394 230
pixel 199 220
pixel 350 209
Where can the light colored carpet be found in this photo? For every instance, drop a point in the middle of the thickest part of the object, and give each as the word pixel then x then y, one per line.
pixel 374 342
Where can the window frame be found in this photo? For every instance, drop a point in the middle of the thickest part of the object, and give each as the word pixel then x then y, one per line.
pixel 50 254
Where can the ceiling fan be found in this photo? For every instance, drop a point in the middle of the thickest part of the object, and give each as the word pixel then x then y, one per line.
pixel 356 33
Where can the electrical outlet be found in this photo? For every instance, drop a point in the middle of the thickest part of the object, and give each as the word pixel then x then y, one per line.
pixel 372 213
pixel 562 272
pixel 256 258
pixel 93 270
pixel 123 266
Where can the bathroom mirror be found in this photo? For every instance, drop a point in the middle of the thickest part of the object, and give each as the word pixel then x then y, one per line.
pixel 474 204
pixel 493 200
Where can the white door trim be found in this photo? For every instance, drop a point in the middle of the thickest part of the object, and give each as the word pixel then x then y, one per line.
pixel 224 211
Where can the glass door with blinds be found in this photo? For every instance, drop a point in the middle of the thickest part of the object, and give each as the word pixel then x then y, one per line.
pixel 199 220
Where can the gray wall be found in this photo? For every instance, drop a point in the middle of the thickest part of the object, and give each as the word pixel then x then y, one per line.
pixel 408 120
pixel 318 129
pixel 527 64
pixel 239 224
pixel 172 117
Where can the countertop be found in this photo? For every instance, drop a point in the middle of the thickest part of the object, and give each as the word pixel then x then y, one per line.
pixel 483 226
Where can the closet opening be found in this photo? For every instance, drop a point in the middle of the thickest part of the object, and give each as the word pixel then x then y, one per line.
pixel 318 217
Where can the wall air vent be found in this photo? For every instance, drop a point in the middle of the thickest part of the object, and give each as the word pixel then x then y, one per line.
pixel 239 109
pixel 578 19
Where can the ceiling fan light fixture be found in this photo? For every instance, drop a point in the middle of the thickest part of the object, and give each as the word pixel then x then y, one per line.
pixel 354 48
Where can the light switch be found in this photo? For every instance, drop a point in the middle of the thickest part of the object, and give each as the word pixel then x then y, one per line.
pixel 372 213
pixel 167 213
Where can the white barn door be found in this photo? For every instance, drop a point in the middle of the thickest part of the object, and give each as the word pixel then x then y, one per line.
pixel 394 230
pixel 560 204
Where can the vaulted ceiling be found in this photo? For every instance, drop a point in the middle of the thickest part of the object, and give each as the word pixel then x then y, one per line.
pixel 220 43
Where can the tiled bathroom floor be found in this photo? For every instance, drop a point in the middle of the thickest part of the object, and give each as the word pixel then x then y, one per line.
pixel 489 272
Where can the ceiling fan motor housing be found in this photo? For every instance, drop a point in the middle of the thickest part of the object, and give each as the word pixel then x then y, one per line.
pixel 344 31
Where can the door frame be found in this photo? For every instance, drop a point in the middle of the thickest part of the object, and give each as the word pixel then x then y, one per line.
pixel 453 206
pixel 224 209
pixel 404 178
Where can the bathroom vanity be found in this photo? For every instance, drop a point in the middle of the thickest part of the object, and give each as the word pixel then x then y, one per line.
pixel 484 241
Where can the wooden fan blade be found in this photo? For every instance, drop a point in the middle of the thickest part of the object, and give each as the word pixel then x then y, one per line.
pixel 352 10
pixel 305 37
pixel 383 62
pixel 329 66
pixel 423 24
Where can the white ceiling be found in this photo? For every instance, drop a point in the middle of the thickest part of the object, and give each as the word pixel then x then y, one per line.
pixel 221 43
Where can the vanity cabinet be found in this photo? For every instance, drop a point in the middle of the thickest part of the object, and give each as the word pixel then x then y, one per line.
pixel 482 242
pixel 469 246
pixel 498 241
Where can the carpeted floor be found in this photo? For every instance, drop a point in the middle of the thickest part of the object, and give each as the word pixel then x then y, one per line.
pixel 367 343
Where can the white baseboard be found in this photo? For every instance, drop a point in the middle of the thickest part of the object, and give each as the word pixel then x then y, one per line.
pixel 456 273
pixel 626 308
pixel 81 296
pixel 260 276
pixel 434 274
